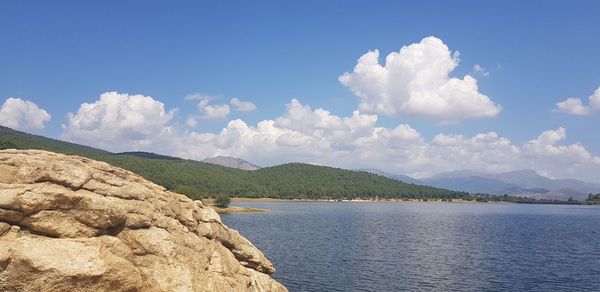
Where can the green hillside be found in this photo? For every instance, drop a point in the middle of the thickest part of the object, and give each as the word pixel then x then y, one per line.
pixel 197 179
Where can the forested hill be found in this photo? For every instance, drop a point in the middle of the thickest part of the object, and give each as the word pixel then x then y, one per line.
pixel 197 179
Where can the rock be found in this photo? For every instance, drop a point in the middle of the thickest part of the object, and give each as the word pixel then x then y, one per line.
pixel 69 223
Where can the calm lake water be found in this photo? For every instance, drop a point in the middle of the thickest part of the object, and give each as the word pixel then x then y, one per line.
pixel 321 246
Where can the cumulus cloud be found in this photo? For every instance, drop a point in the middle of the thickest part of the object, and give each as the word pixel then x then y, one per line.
pixel 318 136
pixel 545 146
pixel 214 111
pixel 481 70
pixel 118 121
pixel 409 153
pixel 400 149
pixel 22 114
pixel 191 122
pixel 320 122
pixel 546 155
pixel 484 152
pixel 416 81
pixel 242 106
pixel 575 106
pixel 209 111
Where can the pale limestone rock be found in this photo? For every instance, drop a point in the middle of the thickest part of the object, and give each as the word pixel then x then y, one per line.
pixel 69 223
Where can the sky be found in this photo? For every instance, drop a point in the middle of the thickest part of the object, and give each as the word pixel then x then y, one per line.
pixel 408 87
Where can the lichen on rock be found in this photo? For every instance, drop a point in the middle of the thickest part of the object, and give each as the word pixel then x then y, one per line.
pixel 69 223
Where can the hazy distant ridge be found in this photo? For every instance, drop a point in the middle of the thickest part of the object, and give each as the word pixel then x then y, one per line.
pixel 400 177
pixel 517 183
pixel 525 182
pixel 231 162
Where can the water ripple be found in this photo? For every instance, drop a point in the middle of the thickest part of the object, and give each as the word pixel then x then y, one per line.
pixel 320 246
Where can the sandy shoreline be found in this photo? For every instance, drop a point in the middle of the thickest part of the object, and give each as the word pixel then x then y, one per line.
pixel 237 209
pixel 231 209
pixel 233 200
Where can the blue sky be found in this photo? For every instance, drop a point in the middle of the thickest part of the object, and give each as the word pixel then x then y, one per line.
pixel 61 54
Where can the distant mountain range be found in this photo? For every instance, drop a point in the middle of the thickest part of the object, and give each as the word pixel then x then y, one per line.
pixel 226 161
pixel 231 162
pixel 526 183
pixel 400 177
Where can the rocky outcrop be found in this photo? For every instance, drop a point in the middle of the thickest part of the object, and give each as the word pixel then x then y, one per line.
pixel 68 223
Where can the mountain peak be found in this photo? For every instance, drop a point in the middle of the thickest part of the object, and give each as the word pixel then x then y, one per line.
pixel 400 177
pixel 530 172
pixel 231 162
pixel 523 182
pixel 457 174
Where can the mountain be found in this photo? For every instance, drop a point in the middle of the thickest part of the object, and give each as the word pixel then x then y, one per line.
pixel 198 179
pixel 400 177
pixel 525 182
pixel 520 183
pixel 531 179
pixel 148 155
pixel 231 162
pixel 456 174
pixel 471 184
pixel 526 178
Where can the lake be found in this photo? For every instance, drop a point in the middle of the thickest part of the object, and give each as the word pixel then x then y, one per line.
pixel 344 246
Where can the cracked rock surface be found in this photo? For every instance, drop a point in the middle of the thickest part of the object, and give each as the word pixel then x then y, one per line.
pixel 69 223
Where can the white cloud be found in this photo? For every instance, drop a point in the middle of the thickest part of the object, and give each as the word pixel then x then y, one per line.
pixel 317 136
pixel 191 122
pixel 320 122
pixel 545 145
pixel 576 107
pixel 481 70
pixel 214 111
pixel 401 149
pixel 483 152
pixel 209 111
pixel 573 106
pixel 572 160
pixel 416 81
pixel 199 96
pixel 242 106
pixel 22 114
pixel 118 121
